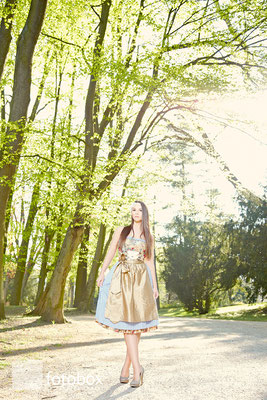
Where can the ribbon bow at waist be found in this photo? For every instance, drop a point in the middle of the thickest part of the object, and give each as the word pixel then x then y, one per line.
pixel 123 267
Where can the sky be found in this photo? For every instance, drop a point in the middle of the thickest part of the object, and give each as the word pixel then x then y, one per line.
pixel 243 145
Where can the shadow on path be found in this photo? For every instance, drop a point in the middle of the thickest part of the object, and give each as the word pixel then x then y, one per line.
pixel 248 336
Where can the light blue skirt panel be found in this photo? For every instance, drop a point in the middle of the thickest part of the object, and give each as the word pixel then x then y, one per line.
pixel 101 305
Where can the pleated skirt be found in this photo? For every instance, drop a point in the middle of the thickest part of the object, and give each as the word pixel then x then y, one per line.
pixel 120 326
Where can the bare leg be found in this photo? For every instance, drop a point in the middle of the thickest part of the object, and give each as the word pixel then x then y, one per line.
pixel 132 341
pixel 126 366
pixel 127 362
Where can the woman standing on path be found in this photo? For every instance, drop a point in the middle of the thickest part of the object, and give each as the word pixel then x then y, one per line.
pixel 127 295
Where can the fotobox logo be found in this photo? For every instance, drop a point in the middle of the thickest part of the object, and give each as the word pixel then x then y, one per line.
pixel 28 375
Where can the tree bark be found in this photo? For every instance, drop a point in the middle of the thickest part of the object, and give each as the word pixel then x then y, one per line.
pixel 81 276
pixel 5 31
pixel 34 253
pixel 85 304
pixel 52 309
pixel 43 272
pixel 13 139
pixel 24 247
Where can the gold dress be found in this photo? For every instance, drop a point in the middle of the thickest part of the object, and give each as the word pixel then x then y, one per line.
pixel 126 301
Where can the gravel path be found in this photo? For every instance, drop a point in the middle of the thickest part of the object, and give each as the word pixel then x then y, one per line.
pixel 186 359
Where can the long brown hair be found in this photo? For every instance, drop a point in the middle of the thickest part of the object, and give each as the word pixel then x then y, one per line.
pixel 145 230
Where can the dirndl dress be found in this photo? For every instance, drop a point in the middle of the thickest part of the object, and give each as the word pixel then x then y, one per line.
pixel 126 302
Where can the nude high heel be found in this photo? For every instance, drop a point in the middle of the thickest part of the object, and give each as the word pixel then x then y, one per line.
pixel 124 379
pixel 135 383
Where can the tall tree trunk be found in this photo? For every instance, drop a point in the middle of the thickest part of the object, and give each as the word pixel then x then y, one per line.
pixel 59 235
pixel 3 110
pixel 50 304
pixel 13 140
pixel 34 254
pixel 52 309
pixel 5 31
pixel 6 285
pixel 43 272
pixel 71 293
pixel 8 216
pixel 24 247
pixel 89 291
pixel 81 276
pixel 103 255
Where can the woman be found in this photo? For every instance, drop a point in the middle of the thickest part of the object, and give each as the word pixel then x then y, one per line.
pixel 127 295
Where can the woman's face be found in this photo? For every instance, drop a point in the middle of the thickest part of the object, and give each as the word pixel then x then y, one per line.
pixel 137 212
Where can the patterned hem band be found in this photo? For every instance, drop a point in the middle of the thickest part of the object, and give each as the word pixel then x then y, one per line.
pixel 128 330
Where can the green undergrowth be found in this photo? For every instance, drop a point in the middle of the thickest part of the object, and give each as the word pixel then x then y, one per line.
pixel 238 311
pixel 241 312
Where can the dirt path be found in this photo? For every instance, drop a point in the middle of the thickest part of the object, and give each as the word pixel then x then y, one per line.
pixel 186 359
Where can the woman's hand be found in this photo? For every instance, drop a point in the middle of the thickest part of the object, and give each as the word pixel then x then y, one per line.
pixel 156 293
pixel 100 279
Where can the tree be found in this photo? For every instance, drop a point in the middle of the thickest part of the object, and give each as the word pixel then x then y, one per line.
pixel 5 31
pixel 248 240
pixel 198 263
pixel 140 60
pixel 13 139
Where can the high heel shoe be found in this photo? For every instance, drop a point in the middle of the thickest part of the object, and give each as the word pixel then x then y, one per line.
pixel 135 383
pixel 124 379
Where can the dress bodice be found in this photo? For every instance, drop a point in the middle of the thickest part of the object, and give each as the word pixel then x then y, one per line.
pixel 133 248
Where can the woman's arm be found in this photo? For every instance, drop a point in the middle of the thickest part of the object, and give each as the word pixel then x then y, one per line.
pixel 150 263
pixel 112 249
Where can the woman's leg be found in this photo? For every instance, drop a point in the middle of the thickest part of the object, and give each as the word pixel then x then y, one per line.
pixel 127 362
pixel 132 341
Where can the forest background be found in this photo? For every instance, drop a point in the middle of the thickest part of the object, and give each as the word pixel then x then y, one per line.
pixel 106 103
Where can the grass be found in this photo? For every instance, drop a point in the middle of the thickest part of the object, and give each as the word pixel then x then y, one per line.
pixel 4 364
pixel 239 312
